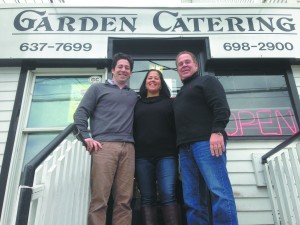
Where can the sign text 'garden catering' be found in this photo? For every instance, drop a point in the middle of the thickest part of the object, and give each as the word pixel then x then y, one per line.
pixel 252 32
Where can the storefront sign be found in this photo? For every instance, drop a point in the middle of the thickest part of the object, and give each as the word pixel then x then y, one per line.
pixel 262 122
pixel 72 32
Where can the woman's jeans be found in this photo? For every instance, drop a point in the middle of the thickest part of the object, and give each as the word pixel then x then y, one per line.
pixel 162 170
pixel 201 172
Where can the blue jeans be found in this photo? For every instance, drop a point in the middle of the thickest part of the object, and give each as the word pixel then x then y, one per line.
pixel 157 172
pixel 201 172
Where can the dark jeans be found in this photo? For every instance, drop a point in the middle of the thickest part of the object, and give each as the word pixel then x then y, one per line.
pixel 202 172
pixel 157 175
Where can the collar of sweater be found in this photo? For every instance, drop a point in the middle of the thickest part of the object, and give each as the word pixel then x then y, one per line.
pixel 152 99
pixel 187 80
pixel 112 83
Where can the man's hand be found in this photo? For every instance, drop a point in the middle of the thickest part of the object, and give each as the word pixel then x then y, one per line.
pixel 92 145
pixel 217 146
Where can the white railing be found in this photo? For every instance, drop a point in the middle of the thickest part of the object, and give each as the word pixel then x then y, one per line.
pixel 282 174
pixel 61 187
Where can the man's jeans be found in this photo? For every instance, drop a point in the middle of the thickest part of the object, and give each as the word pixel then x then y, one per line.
pixel 164 171
pixel 202 172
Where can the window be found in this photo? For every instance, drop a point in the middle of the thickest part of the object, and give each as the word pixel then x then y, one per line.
pixel 260 106
pixel 55 99
pixel 53 102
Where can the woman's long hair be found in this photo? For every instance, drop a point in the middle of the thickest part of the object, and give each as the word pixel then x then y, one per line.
pixel 163 92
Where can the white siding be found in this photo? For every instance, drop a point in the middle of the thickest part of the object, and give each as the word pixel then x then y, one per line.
pixel 9 78
pixel 253 203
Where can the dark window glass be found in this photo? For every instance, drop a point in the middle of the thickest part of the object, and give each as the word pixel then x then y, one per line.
pixel 55 99
pixel 35 143
pixel 260 106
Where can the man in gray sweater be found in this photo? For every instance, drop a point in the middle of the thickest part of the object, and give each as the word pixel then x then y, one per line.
pixel 109 107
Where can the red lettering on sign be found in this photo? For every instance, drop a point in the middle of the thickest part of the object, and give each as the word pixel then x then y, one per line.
pixel 262 122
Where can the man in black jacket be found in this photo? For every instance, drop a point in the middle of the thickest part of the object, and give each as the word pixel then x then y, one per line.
pixel 201 115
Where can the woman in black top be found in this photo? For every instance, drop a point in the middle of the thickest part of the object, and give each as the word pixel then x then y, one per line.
pixel 156 154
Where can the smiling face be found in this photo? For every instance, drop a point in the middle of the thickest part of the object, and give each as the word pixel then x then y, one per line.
pixel 121 72
pixel 186 66
pixel 153 84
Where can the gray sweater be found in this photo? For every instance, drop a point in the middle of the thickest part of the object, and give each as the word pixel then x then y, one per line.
pixel 110 110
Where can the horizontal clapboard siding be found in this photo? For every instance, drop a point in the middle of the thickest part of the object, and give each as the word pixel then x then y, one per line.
pixel 253 202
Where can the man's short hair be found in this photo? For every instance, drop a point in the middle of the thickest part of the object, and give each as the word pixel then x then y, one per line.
pixel 189 53
pixel 119 56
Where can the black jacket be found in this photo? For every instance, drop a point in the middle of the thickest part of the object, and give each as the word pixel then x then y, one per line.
pixel 200 108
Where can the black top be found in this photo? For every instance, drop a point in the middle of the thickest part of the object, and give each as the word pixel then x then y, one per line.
pixel 200 108
pixel 154 128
